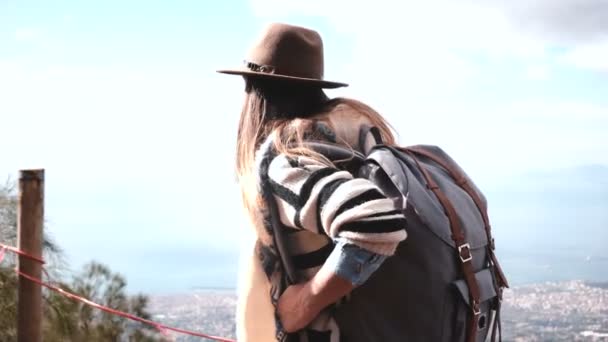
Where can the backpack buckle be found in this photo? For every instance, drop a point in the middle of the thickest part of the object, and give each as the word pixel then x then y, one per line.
pixel 476 308
pixel 464 252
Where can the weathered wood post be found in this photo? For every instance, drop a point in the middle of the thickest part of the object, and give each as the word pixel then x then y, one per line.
pixel 30 218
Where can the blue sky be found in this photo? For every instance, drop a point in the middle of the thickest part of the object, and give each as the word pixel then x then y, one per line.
pixel 119 102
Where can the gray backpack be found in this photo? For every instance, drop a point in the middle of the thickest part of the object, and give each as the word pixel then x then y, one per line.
pixel 444 282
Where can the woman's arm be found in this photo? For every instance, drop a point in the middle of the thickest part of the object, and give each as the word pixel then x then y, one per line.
pixel 325 200
pixel 348 266
pixel 301 303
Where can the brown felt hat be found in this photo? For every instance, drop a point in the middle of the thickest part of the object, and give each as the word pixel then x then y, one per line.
pixel 289 53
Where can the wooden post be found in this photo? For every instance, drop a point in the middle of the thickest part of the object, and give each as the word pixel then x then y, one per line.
pixel 30 218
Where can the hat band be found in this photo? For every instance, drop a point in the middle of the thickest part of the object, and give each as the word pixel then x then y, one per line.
pixel 260 67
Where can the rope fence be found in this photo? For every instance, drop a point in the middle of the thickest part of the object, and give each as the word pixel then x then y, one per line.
pixel 163 329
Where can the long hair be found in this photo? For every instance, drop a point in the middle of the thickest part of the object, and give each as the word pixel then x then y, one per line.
pixel 286 111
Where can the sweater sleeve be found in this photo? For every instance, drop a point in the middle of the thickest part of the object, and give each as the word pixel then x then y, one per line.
pixel 323 199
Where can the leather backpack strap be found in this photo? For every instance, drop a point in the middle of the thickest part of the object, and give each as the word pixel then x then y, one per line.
pixel 289 270
pixel 496 324
pixel 364 133
pixel 279 240
pixel 461 181
pixel 464 249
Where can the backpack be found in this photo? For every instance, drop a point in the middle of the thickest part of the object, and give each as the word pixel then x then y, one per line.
pixel 444 282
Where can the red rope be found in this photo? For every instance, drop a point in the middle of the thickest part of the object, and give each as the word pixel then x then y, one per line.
pixel 160 327
pixel 23 254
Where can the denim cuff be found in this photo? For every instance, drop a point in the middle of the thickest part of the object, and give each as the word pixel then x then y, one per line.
pixel 352 262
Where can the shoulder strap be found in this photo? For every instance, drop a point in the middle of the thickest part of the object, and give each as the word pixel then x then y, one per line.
pixel 461 181
pixel 464 250
pixel 279 240
pixel 364 133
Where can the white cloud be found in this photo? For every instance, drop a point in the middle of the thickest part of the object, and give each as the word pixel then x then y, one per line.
pixel 420 62
pixel 558 133
pixel 538 72
pixel 564 22
pixel 423 48
pixel 498 30
pixel 107 114
pixel 125 151
pixel 592 56
pixel 27 34
pixel 452 25
pixel 120 127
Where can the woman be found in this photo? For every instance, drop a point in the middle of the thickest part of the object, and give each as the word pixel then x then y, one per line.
pixel 340 228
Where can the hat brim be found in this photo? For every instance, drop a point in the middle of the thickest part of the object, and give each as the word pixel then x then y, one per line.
pixel 311 81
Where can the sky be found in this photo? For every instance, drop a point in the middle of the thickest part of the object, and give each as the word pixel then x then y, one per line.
pixel 120 103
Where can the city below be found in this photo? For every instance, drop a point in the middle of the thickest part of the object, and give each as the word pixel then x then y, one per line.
pixel 556 311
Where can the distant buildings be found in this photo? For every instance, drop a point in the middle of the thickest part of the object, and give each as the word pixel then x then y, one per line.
pixel 565 311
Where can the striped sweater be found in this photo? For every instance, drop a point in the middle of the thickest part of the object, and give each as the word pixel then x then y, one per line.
pixel 327 201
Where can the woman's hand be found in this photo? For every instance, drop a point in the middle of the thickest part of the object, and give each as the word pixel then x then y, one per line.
pixel 301 303
pixel 297 307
